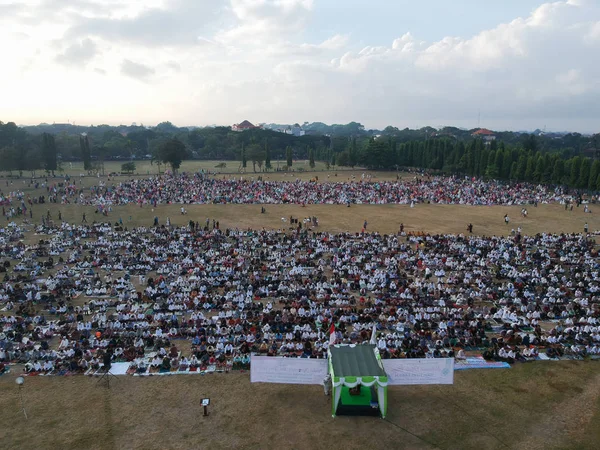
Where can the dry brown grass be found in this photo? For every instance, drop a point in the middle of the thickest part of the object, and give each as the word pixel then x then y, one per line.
pixel 486 220
pixel 537 405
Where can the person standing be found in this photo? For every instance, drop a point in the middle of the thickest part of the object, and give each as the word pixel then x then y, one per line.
pixel 585 228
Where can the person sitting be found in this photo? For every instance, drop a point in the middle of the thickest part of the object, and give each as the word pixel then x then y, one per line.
pixel 355 390
pixel 165 365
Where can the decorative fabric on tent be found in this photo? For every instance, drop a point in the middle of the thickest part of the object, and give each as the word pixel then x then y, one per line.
pixel 352 366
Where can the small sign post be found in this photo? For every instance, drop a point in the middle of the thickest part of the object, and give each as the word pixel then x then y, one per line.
pixel 205 402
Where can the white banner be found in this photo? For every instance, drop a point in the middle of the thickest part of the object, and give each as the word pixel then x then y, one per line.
pixel 273 369
pixel 419 371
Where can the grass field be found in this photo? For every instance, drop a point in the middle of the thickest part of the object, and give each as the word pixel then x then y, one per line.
pixel 486 220
pixel 543 405
pixel 145 167
pixel 338 218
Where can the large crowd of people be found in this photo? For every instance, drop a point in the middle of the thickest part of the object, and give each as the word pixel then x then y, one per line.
pixel 185 298
pixel 200 188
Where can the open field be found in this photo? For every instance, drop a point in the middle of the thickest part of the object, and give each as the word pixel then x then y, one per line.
pixel 486 220
pixel 145 167
pixel 543 405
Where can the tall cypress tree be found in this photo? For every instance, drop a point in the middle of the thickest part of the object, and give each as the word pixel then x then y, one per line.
pixel 267 156
pixel 575 171
pixel 311 158
pixel 84 144
pixel 584 173
pixel 594 172
pixel 49 152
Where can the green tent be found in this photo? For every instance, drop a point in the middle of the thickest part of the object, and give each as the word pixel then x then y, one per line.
pixel 358 380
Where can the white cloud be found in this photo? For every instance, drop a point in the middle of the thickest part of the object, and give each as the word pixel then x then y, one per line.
pixel 260 21
pixel 78 54
pixel 213 61
pixel 136 70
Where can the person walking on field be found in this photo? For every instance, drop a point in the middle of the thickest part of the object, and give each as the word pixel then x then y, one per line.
pixel 585 228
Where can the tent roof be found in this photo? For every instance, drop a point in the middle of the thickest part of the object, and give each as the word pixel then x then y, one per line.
pixel 355 361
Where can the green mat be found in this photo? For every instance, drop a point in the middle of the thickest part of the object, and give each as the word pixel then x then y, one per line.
pixel 353 400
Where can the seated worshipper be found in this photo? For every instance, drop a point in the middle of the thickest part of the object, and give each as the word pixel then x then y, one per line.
pixel 355 390
pixel 184 364
pixel 166 364
pixel 155 364
pixel 194 363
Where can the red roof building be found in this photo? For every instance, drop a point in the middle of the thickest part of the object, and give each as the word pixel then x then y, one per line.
pixel 245 125
pixel 485 134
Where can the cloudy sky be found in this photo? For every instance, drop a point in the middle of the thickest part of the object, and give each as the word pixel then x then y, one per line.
pixel 516 64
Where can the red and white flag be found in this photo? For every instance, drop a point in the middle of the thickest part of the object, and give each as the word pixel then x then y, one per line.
pixel 332 334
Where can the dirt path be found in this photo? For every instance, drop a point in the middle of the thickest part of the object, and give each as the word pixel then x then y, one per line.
pixel 568 420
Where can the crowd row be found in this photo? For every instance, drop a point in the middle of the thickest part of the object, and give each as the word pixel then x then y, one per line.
pixel 83 290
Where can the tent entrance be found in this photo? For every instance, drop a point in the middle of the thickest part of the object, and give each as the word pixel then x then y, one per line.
pixel 364 403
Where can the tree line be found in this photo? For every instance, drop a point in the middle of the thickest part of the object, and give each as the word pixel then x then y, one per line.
pixel 45 147
pixel 494 160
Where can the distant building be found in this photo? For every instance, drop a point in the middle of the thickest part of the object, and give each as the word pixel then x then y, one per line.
pixel 245 125
pixel 487 135
pixel 294 130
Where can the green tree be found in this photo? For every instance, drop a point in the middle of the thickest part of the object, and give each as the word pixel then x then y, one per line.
pixel 288 156
pixel 514 171
pixel 343 159
pixel 257 155
pixel 498 163
pixel 521 168
pixel 8 159
pixel 267 156
pixel 559 171
pixel 575 171
pixel 333 160
pixel 243 155
pixel 172 152
pixel 128 167
pixel 86 155
pixel 530 143
pixel 584 173
pixel 506 164
pixel 491 170
pixel 49 153
pixel 353 153
pixel 538 173
pixel 594 172
pixel 311 158
pixel 530 169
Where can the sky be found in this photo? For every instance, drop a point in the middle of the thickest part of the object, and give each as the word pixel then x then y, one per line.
pixel 503 65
